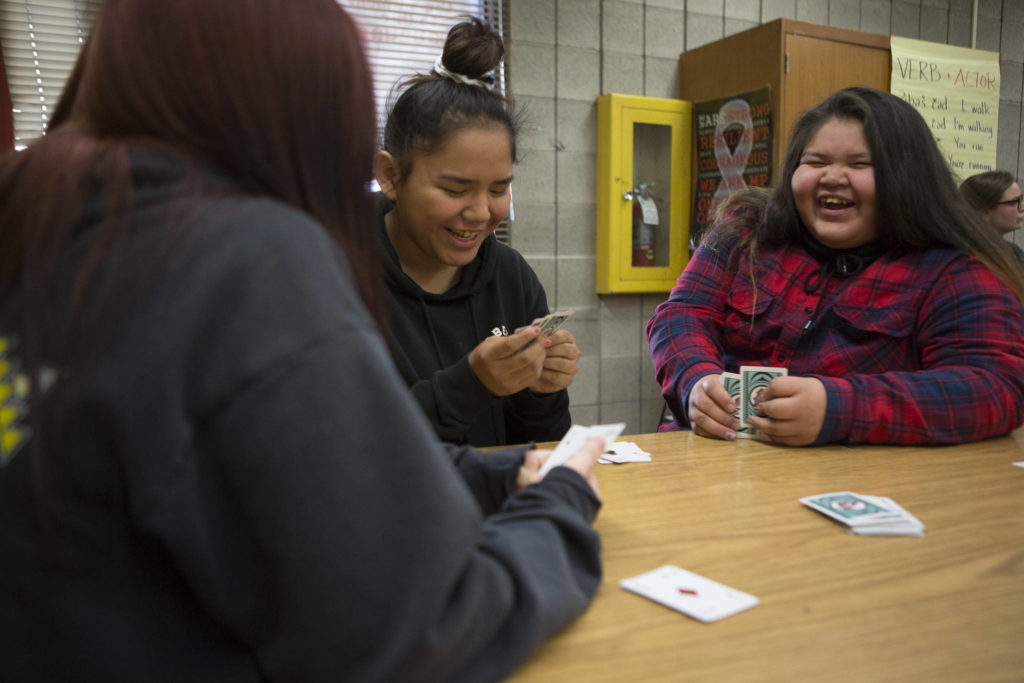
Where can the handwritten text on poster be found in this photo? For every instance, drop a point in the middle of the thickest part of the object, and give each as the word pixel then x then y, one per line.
pixel 956 90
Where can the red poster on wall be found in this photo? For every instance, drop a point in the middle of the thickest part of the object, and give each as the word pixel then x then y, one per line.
pixel 734 152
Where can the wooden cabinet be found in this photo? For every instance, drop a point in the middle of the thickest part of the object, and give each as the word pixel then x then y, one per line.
pixel 802 63
pixel 643 195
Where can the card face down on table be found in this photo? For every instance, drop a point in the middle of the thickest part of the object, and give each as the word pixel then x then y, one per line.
pixel 866 515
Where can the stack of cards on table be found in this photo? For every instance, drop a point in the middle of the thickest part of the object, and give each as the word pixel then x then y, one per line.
pixel 692 594
pixel 866 515
pixel 746 388
pixel 623 451
pixel 574 440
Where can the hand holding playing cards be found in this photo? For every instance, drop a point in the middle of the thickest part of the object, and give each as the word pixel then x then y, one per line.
pixel 561 362
pixel 583 462
pixel 795 410
pixel 585 459
pixel 506 365
pixel 711 409
pixel 529 472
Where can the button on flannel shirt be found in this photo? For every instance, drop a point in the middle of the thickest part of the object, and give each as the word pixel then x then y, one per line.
pixel 927 347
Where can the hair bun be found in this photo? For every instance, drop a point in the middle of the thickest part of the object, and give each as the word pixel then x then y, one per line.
pixel 473 49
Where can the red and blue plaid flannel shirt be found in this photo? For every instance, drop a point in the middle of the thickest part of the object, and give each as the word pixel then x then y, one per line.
pixel 927 347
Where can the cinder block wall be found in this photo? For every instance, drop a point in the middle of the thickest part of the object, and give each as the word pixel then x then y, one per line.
pixel 564 53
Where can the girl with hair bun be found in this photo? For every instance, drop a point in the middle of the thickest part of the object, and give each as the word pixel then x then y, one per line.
pixel 866 274
pixel 461 302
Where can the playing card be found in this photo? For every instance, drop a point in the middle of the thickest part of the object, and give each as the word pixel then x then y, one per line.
pixel 623 451
pixel 552 321
pixel 733 383
pixel 754 382
pixel 848 508
pixel 574 440
pixel 692 594
pixel 866 515
pixel 905 525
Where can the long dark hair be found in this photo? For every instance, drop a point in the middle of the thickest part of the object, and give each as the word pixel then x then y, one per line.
pixel 917 203
pixel 274 96
pixel 432 107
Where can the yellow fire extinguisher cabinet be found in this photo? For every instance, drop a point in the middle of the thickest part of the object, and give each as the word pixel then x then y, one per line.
pixel 643 192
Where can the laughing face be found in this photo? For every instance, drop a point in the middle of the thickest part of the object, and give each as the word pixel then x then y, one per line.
pixel 834 186
pixel 450 201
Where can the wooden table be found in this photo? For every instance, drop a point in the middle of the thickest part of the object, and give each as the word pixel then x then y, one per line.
pixel 834 606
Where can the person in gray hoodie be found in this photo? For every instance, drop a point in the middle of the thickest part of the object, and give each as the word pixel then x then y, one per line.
pixel 209 468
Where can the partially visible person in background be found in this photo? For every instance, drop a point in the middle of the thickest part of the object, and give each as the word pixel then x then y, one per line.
pixel 461 302
pixel 209 468
pixel 997 196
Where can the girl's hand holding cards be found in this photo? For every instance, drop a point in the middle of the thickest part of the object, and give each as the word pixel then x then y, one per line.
pixel 561 361
pixel 507 365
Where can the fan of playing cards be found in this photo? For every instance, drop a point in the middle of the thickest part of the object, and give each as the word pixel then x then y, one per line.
pixel 745 388
pixel 866 515
pixel 551 322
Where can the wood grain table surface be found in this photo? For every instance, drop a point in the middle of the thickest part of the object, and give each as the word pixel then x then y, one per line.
pixel 833 605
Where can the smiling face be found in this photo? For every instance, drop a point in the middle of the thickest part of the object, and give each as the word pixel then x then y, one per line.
pixel 1006 216
pixel 834 186
pixel 450 201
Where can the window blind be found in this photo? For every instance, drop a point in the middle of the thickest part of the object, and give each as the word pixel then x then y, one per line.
pixel 41 40
pixel 405 37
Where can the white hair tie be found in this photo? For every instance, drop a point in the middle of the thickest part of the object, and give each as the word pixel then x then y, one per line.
pixel 440 70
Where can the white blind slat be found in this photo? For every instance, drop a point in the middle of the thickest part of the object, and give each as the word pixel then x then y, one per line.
pixel 41 40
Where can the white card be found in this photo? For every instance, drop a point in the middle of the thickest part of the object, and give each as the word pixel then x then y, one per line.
pixel 692 594
pixel 574 440
pixel 623 451
pixel 1019 464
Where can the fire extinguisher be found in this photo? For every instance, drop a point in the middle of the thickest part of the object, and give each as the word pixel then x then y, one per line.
pixel 643 233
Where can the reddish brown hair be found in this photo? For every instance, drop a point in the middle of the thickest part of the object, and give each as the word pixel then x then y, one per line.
pixel 275 96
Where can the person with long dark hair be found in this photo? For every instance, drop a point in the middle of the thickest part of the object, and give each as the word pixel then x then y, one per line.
pixel 461 302
pixel 997 198
pixel 865 274
pixel 209 467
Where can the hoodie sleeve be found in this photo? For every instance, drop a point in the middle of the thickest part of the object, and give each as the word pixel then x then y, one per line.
pixel 451 398
pixel 490 476
pixel 310 507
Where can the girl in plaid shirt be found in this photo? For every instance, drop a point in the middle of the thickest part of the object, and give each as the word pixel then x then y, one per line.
pixel 898 315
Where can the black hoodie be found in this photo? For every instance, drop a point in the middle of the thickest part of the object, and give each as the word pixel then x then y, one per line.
pixel 432 335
